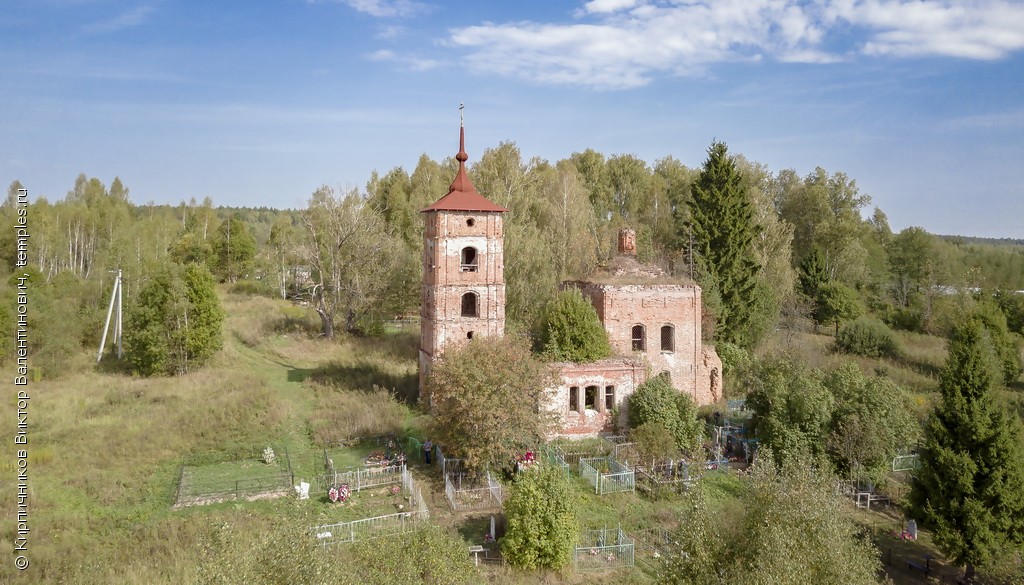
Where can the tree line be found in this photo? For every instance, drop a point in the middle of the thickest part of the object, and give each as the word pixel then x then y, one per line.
pixel 777 246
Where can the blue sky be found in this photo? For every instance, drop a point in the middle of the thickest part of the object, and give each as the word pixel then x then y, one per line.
pixel 259 103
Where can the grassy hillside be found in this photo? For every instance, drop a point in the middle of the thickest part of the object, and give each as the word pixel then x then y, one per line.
pixel 106 449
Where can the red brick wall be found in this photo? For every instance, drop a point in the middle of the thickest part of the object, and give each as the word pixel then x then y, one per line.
pixel 445 283
pixel 623 374
pixel 623 306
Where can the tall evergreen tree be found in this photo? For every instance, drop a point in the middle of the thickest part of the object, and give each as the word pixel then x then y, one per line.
pixel 813 273
pixel 970 487
pixel 723 226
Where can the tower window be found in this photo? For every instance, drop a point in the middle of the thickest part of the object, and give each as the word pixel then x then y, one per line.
pixel 469 305
pixel 591 398
pixel 668 338
pixel 470 222
pixel 574 398
pixel 639 338
pixel 469 335
pixel 469 259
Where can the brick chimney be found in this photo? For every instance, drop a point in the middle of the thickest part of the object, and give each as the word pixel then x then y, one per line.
pixel 627 242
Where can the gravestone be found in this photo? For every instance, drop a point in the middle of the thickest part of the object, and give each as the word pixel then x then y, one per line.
pixel 492 528
pixel 912 529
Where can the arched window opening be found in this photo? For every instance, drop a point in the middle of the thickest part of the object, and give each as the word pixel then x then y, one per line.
pixel 609 398
pixel 469 335
pixel 470 222
pixel 591 398
pixel 639 338
pixel 574 398
pixel 469 305
pixel 469 257
pixel 668 338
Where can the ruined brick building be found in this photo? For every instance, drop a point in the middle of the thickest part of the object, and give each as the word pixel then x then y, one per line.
pixel 652 321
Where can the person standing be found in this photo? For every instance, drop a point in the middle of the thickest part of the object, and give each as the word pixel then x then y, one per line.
pixel 427 448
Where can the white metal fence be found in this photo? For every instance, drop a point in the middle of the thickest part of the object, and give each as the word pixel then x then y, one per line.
pixel 607 475
pixel 360 478
pixel 448 465
pixel 366 528
pixel 485 494
pixel 378 526
pixel 604 549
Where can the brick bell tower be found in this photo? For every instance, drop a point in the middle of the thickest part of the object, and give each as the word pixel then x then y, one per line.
pixel 463 269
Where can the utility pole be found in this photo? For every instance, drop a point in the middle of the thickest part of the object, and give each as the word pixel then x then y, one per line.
pixel 115 295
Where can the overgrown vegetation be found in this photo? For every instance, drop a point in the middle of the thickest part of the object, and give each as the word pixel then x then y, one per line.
pixel 486 398
pixel 542 520
pixel 869 338
pixel 569 330
pixel 791 530
pixel 280 379
pixel 655 404
pixel 174 323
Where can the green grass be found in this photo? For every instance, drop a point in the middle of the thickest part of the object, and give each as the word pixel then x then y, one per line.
pixel 106 448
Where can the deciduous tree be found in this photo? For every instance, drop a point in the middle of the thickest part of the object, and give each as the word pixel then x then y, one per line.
pixel 489 401
pixel 234 247
pixel 789 527
pixel 656 401
pixel 354 260
pixel 792 408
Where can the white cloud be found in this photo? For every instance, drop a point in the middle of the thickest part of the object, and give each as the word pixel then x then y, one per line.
pixel 626 43
pixel 408 62
pixel 388 8
pixel 599 6
pixel 390 32
pixel 127 19
pixel 978 29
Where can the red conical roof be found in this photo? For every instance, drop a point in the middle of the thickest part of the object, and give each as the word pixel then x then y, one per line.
pixel 462 195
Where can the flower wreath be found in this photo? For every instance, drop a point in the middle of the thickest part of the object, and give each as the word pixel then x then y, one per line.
pixel 339 494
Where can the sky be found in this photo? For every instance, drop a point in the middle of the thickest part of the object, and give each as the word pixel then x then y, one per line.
pixel 259 103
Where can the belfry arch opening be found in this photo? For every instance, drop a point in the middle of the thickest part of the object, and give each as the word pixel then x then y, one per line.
pixel 469 259
pixel 470 305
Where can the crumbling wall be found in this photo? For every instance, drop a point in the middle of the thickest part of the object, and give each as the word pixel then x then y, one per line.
pixel 621 374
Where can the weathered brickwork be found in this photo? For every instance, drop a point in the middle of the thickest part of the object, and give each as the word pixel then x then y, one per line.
pixel 445 318
pixel 659 325
pixel 588 393
pixel 653 324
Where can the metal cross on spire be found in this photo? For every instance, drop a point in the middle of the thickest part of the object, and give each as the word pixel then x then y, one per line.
pixel 462 115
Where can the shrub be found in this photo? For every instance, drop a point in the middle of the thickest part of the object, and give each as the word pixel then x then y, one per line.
pixel 654 441
pixel 734 357
pixel 255 288
pixel 174 322
pixel 656 401
pixel 541 515
pixel 905 319
pixel 868 337
pixel 570 330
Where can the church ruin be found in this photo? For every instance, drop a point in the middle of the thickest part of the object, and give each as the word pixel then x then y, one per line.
pixel 653 321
